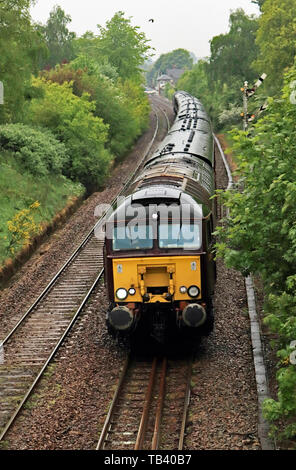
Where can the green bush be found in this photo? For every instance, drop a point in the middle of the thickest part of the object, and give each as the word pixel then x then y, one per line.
pixel 19 189
pixel 123 106
pixel 134 116
pixel 39 152
pixel 94 67
pixel 72 121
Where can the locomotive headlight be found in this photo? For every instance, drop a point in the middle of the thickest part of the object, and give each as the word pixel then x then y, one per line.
pixel 193 291
pixel 183 289
pixel 132 291
pixel 121 293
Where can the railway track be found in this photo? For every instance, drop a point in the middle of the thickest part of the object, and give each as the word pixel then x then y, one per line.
pixel 34 341
pixel 150 404
pixel 149 407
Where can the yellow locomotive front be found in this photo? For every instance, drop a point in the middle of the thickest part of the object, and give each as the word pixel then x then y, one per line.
pixel 157 266
pixel 157 279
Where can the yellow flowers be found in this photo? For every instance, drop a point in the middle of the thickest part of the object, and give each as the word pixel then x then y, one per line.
pixel 23 227
pixel 35 205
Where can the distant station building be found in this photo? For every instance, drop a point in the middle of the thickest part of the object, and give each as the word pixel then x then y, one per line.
pixel 175 74
pixel 172 76
pixel 162 80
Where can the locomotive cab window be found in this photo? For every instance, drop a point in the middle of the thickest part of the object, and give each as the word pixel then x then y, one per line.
pixel 132 237
pixel 176 235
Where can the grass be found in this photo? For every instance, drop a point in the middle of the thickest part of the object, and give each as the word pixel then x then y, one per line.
pixel 20 189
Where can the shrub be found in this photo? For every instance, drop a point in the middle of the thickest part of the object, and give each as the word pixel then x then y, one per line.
pixel 19 189
pixel 124 107
pixel 230 116
pixel 22 227
pixel 39 152
pixel 72 121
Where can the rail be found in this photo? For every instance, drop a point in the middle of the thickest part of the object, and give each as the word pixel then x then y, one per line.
pixel 143 400
pixel 44 302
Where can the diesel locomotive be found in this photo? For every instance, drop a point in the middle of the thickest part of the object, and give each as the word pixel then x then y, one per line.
pixel 158 254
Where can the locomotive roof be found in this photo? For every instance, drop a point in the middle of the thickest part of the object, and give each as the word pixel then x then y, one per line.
pixel 156 192
pixel 155 196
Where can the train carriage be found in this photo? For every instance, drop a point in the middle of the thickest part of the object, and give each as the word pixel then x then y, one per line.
pixel 160 271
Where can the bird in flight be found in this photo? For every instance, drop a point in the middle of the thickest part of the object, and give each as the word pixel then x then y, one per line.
pixel 152 20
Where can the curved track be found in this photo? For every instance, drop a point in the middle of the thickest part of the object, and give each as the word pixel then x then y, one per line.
pixel 150 404
pixel 32 344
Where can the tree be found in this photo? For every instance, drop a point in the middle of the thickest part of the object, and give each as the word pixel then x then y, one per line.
pixel 260 3
pixel 124 46
pixel 123 106
pixel 178 58
pixel 58 38
pixel 276 39
pixel 217 81
pixel 233 53
pixel 195 81
pixel 95 67
pixel 20 47
pixel 87 45
pixel 72 121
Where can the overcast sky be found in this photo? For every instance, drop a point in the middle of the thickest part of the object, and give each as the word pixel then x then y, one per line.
pixel 188 24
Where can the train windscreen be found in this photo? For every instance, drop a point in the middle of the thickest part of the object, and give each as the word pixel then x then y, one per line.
pixel 186 236
pixel 132 237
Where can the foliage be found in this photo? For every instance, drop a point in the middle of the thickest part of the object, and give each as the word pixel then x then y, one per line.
pixel 22 227
pixel 95 66
pixel 88 56
pixel 137 104
pixel 196 81
pixel 121 105
pixel 124 46
pixel 276 40
pixel 233 53
pixel 39 152
pixel 20 48
pixel 285 407
pixel 230 116
pixel 169 91
pixel 59 39
pixel 72 121
pixel 67 74
pixel 217 81
pixel 260 3
pixel 19 189
pixel 179 58
pixel 260 235
pixel 87 45
pixel 216 98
